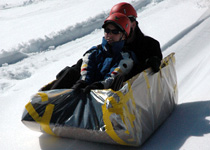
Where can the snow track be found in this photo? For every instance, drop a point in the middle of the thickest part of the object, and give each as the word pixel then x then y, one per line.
pixel 53 40
pixel 179 36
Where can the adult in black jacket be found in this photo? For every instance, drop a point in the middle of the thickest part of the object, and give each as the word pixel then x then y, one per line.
pixel 147 50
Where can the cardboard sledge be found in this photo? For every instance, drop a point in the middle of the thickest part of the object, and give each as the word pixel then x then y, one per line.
pixel 126 117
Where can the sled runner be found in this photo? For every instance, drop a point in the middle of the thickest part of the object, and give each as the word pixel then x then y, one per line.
pixel 126 117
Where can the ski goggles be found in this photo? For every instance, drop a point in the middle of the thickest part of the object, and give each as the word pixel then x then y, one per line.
pixel 115 31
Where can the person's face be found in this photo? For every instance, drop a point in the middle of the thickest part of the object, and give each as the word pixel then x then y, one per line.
pixel 131 36
pixel 112 34
pixel 133 25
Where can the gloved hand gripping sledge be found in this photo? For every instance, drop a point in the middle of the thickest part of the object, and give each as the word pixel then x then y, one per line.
pixel 95 85
pixel 80 84
pixel 154 62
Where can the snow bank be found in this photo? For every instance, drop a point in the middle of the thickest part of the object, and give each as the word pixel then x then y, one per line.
pixel 11 57
pixel 63 36
pixel 8 4
pixel 55 39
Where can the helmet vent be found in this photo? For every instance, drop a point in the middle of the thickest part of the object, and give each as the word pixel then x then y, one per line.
pixel 116 18
pixel 124 11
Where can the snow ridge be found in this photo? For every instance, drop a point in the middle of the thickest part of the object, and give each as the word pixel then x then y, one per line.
pixel 19 4
pixel 53 40
pixel 63 36
pixel 71 33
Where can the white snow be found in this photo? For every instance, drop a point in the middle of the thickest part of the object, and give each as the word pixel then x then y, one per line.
pixel 38 38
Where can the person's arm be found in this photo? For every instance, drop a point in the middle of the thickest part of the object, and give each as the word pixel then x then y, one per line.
pixel 153 47
pixel 88 67
pixel 155 54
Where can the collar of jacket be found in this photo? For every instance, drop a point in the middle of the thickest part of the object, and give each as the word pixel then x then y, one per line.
pixel 115 48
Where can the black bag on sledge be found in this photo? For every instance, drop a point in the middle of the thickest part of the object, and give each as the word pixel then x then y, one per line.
pixel 64 108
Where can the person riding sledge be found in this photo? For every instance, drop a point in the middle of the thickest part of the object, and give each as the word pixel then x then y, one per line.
pixel 146 48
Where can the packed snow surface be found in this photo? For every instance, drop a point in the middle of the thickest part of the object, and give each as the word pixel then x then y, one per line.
pixel 38 38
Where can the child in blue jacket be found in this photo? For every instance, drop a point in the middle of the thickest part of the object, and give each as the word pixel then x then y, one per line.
pixel 102 64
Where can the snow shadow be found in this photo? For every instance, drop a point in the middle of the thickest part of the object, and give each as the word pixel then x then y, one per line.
pixel 187 120
pixel 180 35
pixel 48 142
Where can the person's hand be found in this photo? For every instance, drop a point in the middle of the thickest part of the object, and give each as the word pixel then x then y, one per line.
pixel 79 85
pixel 95 85
pixel 154 62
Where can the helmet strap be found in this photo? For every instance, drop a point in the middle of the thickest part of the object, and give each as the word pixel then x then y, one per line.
pixel 121 38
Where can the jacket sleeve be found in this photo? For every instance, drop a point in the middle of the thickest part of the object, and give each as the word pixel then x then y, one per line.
pixel 154 47
pixel 88 66
pixel 123 67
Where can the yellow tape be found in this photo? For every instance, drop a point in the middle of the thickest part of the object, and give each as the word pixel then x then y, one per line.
pixel 123 101
pixel 173 59
pixel 175 88
pixel 159 81
pixel 44 121
pixel 32 112
pixel 121 109
pixel 60 93
pixel 109 128
pixel 147 82
pixel 146 79
pixel 43 96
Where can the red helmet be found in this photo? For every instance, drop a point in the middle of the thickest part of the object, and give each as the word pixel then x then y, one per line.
pixel 124 8
pixel 119 20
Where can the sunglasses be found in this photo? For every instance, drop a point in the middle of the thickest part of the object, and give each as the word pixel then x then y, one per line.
pixel 115 31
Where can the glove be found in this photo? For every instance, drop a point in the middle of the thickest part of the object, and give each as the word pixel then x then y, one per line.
pixel 95 85
pixel 154 62
pixel 79 85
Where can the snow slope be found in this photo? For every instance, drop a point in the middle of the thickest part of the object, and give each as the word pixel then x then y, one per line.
pixel 40 37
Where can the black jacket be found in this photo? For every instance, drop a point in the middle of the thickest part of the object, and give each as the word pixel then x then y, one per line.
pixel 144 48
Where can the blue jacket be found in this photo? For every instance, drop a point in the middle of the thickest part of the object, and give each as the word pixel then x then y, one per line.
pixel 104 63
